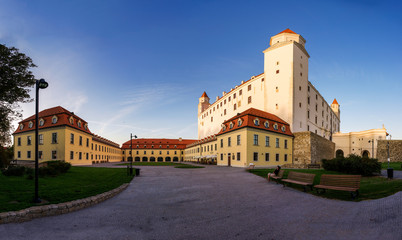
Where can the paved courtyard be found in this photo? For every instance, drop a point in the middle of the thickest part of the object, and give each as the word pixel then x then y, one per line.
pixel 216 203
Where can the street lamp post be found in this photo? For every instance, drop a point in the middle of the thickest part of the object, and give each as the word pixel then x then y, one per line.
pixel 131 153
pixel 390 171
pixel 40 84
pixel 372 147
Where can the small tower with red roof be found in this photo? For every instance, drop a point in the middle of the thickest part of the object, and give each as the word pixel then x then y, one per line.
pixel 203 103
pixel 335 107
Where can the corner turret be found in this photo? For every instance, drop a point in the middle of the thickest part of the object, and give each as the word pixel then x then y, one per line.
pixel 203 103
pixel 335 107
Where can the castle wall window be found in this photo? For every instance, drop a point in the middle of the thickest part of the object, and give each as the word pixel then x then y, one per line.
pixel 229 99
pixel 212 119
pixel 299 104
pixel 224 102
pixel 87 156
pixel 54 137
pixel 308 127
pixel 41 139
pixel 249 99
pixel 301 74
pixel 256 139
pixel 308 114
pixel 277 71
pixel 240 92
pixel 316 107
pixel 315 119
pixel 234 96
pixel 255 156
pixel 299 88
pixel 234 106
pixel 308 88
pixel 276 106
pixel 224 112
pixel 267 157
pixel 308 100
pixel 248 88
pixel 277 63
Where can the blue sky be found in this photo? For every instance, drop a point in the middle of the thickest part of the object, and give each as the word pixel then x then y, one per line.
pixel 140 66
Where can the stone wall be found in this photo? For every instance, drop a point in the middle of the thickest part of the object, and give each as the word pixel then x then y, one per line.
pixel 309 148
pixel 57 209
pixel 395 150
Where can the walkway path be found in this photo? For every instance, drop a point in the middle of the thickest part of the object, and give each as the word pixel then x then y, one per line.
pixel 216 203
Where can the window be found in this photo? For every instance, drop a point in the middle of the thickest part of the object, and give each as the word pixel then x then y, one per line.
pixel 299 88
pixel 40 139
pixel 72 138
pixel 316 107
pixel 145 152
pixel 19 154
pixel 40 155
pixel 249 99
pixel 212 119
pixel 267 141
pixel 277 63
pixel 239 122
pixel 241 92
pixel 256 122
pixel 308 114
pixel 229 141
pixel 229 99
pixel 286 143
pixel 30 124
pixel 277 157
pixel 238 139
pixel 41 122
pixel 231 125
pixel 80 141
pixel 79 123
pixel 267 157
pixel 221 143
pixel 224 102
pixel 301 74
pixel 248 88
pixel 28 154
pixel 29 140
pixel 286 157
pixel 238 156
pixel 277 90
pixel 21 126
pixel 277 71
pixel 308 88
pixel 87 142
pixel 221 156
pixel 299 104
pixel 19 141
pixel 54 155
pixel 234 95
pixel 224 112
pixel 87 157
pixel 277 142
pixel 255 156
pixel 234 106
pixel 308 100
pixel 167 152
pixel 315 119
pixel 216 146
pixel 283 128
pixel 256 139
pixel 276 126
pixel 71 155
pixel 79 155
pixel 54 137
pixel 266 124
pixel 71 120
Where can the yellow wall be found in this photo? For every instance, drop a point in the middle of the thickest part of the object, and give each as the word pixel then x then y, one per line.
pixel 247 148
pixel 76 148
pixel 156 153
pixel 201 151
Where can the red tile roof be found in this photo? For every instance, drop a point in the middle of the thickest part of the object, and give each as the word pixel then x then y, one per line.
pixel 204 95
pixel 335 102
pixel 63 117
pixel 287 30
pixel 158 143
pixel 202 141
pixel 105 141
pixel 247 117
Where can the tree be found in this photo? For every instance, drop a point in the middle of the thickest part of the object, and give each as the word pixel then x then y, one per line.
pixel 15 81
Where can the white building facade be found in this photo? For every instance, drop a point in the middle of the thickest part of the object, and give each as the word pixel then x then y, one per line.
pixel 283 90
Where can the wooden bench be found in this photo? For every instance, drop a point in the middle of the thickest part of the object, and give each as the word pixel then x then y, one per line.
pixel 348 183
pixel 305 179
pixel 279 176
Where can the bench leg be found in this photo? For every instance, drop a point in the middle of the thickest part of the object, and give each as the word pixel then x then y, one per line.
pixel 304 189
pixel 355 194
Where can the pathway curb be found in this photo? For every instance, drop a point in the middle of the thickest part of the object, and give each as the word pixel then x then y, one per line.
pixel 57 209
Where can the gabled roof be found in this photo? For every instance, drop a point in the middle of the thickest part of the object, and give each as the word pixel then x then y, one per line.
pixel 335 102
pixel 247 120
pixel 63 117
pixel 154 143
pixel 204 95
pixel 287 30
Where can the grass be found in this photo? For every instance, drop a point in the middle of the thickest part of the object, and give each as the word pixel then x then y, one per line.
pixel 188 166
pixel 370 187
pixel 395 165
pixel 153 164
pixel 17 193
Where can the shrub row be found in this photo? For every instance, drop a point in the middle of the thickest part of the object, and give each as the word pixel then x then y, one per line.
pixel 53 168
pixel 353 164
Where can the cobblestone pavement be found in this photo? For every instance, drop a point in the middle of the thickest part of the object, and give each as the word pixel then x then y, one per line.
pixel 216 203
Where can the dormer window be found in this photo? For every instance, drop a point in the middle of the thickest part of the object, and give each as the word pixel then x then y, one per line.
pixel 79 123
pixel 283 128
pixel 138 146
pixel 30 124
pixel 276 126
pixel 266 124
pixel 160 146
pixel 145 146
pixel 152 146
pixel 223 127
pixel 239 122
pixel 41 122
pixel 21 126
pixel 167 146
pixel 256 122
pixel 86 126
pixel 71 120
pixel 231 125
pixel 175 146
pixel 54 119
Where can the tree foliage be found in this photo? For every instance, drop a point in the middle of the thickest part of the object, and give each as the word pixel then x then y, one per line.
pixel 15 81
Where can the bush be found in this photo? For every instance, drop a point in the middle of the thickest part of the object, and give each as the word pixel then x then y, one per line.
pixel 13 170
pixel 353 164
pixel 54 168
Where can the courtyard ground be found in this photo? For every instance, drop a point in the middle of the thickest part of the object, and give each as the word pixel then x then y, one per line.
pixel 216 203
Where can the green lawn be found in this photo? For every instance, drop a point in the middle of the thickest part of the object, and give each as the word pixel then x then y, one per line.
pixel 370 187
pixel 395 165
pixel 153 164
pixel 79 182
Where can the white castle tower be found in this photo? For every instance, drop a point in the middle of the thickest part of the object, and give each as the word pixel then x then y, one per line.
pixel 283 90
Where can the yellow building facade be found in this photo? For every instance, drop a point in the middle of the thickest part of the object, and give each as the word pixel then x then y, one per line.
pixel 63 136
pixel 202 151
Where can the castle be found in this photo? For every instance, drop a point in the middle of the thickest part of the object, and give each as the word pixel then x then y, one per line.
pixel 283 89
